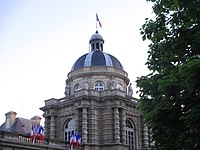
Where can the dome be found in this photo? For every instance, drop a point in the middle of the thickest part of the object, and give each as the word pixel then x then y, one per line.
pixel 97 58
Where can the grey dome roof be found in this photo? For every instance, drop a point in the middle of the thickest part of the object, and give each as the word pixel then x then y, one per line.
pixel 97 58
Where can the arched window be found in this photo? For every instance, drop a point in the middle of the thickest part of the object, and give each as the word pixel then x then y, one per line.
pixel 77 87
pixel 130 134
pixel 92 46
pixel 97 46
pixel 101 47
pixel 99 86
pixel 69 129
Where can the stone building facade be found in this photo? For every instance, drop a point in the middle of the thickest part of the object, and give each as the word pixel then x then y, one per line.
pixel 98 104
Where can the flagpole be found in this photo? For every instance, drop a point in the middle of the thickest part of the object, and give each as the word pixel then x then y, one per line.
pixel 34 134
pixel 34 139
pixel 96 25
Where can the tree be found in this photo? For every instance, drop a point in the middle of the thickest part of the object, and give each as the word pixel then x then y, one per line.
pixel 170 93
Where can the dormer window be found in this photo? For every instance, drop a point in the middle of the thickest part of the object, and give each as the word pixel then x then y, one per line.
pixel 99 86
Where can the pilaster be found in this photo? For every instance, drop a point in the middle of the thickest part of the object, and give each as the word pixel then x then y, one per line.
pixel 52 127
pixel 116 126
pixel 77 120
pixel 123 126
pixel 84 125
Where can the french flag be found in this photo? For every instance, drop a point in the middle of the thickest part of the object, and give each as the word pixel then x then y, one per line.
pixel 41 132
pixel 72 141
pixel 32 133
pixel 78 139
pixel 97 18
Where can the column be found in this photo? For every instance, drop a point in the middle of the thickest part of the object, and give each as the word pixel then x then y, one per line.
pixel 116 125
pixel 84 125
pixel 46 122
pixel 52 127
pixel 123 127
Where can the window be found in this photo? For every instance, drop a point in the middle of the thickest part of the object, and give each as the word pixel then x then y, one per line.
pixel 98 86
pixel 92 46
pixel 130 134
pixel 97 46
pixel 101 47
pixel 77 87
pixel 69 129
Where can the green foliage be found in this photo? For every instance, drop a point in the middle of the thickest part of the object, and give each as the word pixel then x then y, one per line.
pixel 170 94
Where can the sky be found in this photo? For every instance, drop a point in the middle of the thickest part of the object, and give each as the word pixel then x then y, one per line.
pixel 40 40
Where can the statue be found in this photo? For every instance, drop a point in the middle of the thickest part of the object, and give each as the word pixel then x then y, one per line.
pixel 67 89
pixel 85 85
pixel 130 90
pixel 111 84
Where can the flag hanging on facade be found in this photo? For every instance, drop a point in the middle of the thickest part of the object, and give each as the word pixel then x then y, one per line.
pixel 37 132
pixel 41 133
pixel 97 19
pixel 78 139
pixel 32 133
pixel 72 141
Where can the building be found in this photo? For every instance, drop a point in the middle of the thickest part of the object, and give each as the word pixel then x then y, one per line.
pixel 98 104
pixel 19 125
pixel 15 134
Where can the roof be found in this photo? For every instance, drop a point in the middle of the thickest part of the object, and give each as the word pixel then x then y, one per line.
pixel 97 58
pixel 20 125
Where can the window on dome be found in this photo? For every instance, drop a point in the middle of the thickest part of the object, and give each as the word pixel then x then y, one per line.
pixel 93 46
pixel 77 87
pixel 99 86
pixel 69 129
pixel 101 47
pixel 97 46
pixel 130 134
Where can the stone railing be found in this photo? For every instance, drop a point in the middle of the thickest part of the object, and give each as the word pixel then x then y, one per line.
pixel 53 101
pixel 9 140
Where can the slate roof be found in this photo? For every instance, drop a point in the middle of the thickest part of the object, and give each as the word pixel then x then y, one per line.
pixel 97 58
pixel 21 125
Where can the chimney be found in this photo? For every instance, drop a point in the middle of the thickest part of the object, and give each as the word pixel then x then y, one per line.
pixel 10 119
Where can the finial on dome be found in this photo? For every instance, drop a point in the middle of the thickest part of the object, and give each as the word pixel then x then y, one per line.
pixel 96 32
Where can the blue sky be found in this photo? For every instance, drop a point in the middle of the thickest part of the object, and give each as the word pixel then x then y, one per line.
pixel 40 40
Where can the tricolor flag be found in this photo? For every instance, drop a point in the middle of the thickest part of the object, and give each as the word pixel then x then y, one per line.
pixel 78 139
pixel 36 132
pixel 72 141
pixel 32 133
pixel 41 133
pixel 97 19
